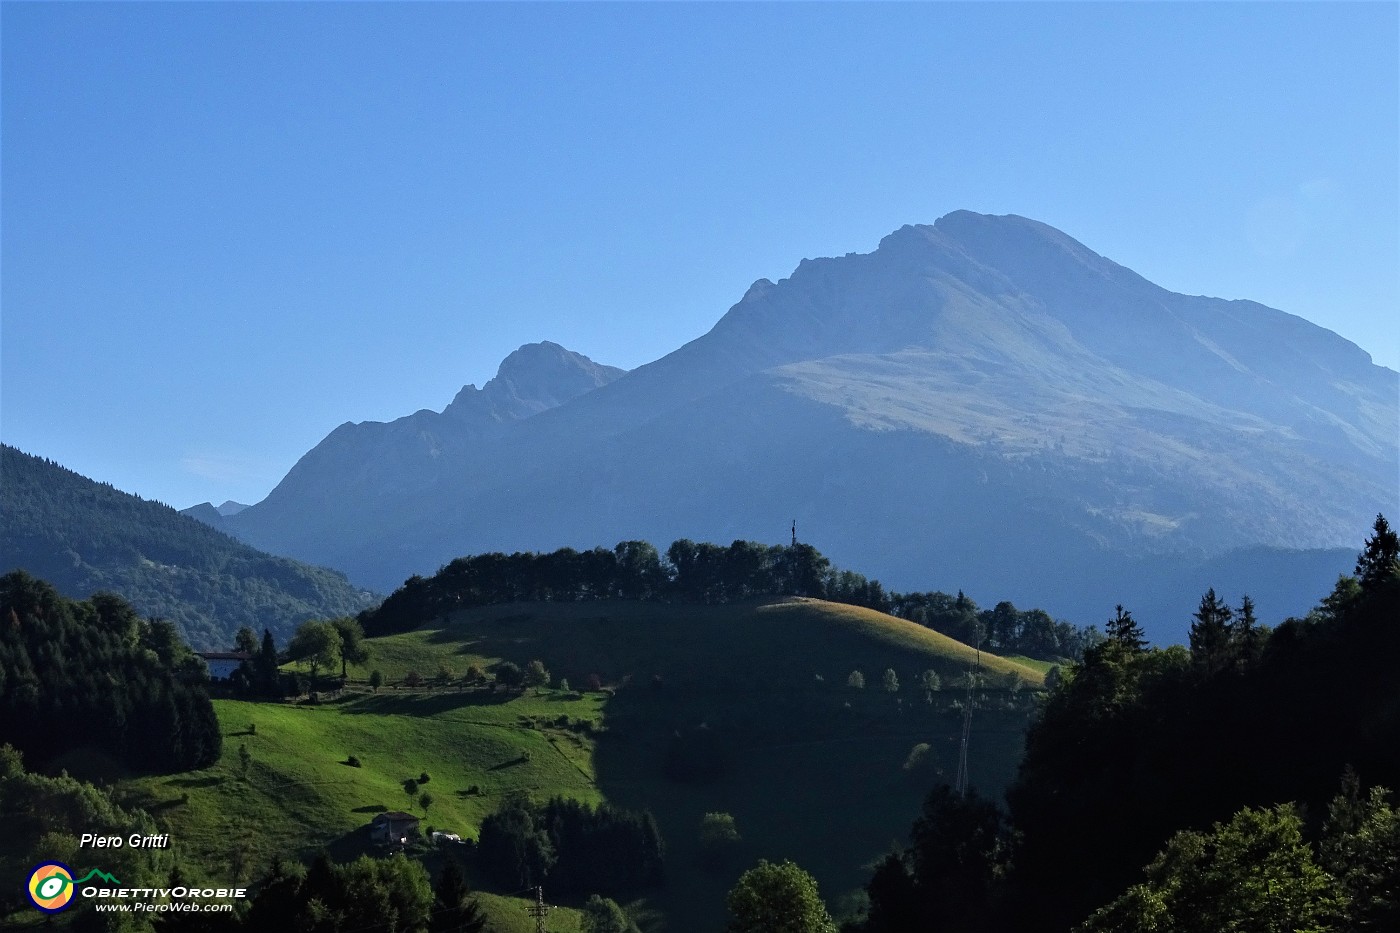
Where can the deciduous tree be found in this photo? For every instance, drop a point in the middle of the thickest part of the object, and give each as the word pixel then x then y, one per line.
pixel 1253 873
pixel 777 898
pixel 352 642
pixel 603 915
pixel 317 643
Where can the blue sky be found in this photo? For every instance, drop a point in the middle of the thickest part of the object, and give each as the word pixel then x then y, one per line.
pixel 225 229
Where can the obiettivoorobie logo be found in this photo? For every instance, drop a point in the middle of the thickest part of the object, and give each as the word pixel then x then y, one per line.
pixel 51 885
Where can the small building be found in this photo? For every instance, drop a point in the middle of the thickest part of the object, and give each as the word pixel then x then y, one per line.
pixel 222 664
pixel 393 828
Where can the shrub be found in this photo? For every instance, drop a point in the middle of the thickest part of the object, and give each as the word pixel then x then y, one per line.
pixel 918 755
pixel 353 762
pixel 890 680
pixel 856 680
pixel 536 674
pixel 603 915
pixel 509 674
pixel 719 838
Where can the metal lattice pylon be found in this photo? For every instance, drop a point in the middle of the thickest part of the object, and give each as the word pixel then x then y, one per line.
pixel 960 785
pixel 539 910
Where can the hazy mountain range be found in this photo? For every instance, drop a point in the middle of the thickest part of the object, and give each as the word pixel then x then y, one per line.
pixel 983 404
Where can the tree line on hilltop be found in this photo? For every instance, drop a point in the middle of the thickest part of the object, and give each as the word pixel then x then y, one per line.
pixel 715 574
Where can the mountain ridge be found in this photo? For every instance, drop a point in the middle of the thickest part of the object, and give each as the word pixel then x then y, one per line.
pixel 415 450
pixel 1014 368
pixel 83 536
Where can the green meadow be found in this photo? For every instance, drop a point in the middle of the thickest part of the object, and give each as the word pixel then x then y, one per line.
pixel 740 646
pixel 811 768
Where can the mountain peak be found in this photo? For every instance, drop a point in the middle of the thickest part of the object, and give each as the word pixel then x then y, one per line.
pixel 533 378
pixel 534 359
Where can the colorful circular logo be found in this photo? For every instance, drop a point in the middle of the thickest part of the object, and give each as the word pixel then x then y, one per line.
pixel 51 887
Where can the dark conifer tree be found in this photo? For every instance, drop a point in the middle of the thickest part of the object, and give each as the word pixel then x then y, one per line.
pixel 1248 635
pixel 1379 563
pixel 1124 631
pixel 896 905
pixel 265 666
pixel 1212 632
pixel 945 880
pixel 455 910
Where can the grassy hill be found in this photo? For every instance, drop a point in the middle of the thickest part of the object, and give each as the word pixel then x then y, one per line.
pixel 812 769
pixel 83 536
pixel 747 646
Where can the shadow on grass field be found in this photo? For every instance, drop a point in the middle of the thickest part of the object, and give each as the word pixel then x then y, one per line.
pixel 806 777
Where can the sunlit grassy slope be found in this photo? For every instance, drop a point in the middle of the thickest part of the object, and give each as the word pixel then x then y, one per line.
pixel 747 645
pixel 815 771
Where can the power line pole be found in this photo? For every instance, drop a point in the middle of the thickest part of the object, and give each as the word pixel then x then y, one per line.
pixel 539 910
pixel 961 784
pixel 794 532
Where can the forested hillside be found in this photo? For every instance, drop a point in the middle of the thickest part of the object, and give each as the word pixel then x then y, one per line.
pixel 84 537
pixel 82 675
pixel 1243 783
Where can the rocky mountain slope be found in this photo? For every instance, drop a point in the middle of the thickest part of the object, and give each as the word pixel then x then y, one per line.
pixel 983 403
